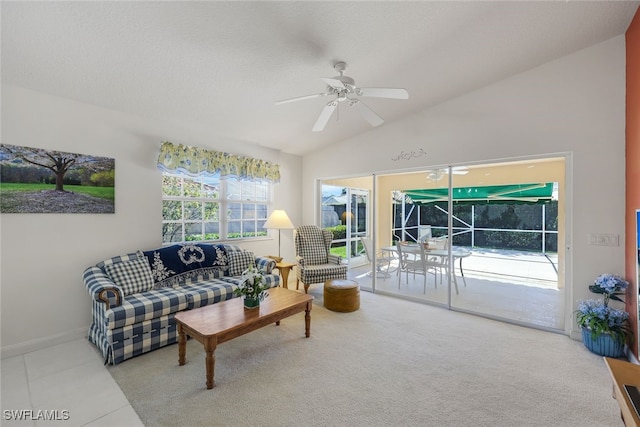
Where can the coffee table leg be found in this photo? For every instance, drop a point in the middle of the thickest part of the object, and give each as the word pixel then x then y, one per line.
pixel 210 361
pixel 307 320
pixel 182 345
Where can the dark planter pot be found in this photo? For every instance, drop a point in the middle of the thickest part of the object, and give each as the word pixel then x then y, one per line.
pixel 604 345
pixel 251 303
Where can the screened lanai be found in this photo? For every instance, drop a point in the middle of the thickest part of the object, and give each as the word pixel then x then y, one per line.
pixel 526 213
pixel 509 216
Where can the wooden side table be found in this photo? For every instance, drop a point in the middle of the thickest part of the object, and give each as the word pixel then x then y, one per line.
pixel 285 268
pixel 624 373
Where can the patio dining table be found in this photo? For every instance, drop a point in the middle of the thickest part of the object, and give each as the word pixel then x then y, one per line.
pixel 457 254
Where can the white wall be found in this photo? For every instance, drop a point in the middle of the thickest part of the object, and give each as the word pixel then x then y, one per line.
pixel 43 299
pixel 575 104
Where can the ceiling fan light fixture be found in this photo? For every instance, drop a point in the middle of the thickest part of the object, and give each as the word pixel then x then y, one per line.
pixel 341 87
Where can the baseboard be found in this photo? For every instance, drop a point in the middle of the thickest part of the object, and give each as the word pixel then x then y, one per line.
pixel 576 334
pixel 40 343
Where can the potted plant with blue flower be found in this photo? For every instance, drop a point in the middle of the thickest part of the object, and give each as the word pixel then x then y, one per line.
pixel 253 287
pixel 605 330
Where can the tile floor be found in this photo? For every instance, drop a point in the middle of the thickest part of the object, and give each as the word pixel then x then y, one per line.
pixel 66 377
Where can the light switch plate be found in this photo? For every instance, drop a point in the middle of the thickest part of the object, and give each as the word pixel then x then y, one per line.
pixel 598 239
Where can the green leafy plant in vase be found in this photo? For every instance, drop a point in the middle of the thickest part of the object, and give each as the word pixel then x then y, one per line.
pixel 605 330
pixel 253 287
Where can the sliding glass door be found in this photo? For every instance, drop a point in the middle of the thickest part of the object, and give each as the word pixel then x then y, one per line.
pixel 482 239
pixel 510 216
pixel 346 213
pixel 403 229
pixel 356 223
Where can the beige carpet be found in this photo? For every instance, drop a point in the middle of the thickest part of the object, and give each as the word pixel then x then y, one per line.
pixel 392 363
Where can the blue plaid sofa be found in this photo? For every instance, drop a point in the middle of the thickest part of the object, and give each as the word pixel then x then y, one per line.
pixel 136 296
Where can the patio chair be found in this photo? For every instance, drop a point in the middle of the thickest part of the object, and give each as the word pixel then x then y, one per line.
pixel 441 262
pixel 381 261
pixel 315 263
pixel 424 233
pixel 414 259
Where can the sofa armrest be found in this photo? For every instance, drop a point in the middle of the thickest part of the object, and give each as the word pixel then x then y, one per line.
pixel 265 264
pixel 272 280
pixel 101 287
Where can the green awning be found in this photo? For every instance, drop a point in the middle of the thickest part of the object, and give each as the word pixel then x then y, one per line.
pixel 517 193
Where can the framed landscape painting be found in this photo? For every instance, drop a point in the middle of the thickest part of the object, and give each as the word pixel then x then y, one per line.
pixel 34 180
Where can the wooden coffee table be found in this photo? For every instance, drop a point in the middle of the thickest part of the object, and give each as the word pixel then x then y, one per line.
pixel 214 324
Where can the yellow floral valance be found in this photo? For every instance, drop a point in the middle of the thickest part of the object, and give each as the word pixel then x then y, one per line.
pixel 199 161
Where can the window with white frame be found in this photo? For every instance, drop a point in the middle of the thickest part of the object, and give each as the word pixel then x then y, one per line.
pixel 207 208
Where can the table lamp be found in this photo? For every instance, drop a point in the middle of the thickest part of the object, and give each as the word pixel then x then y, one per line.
pixel 278 220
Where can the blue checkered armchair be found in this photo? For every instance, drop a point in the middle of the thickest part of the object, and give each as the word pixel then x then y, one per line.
pixel 315 263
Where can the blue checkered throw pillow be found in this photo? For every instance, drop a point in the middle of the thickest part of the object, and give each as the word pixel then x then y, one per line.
pixel 240 261
pixel 131 276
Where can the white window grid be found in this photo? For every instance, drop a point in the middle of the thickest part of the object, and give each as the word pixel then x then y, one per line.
pixel 245 205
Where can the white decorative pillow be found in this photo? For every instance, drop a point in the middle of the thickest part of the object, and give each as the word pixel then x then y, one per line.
pixel 239 261
pixel 131 276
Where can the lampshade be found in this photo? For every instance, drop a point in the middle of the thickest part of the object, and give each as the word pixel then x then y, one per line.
pixel 279 221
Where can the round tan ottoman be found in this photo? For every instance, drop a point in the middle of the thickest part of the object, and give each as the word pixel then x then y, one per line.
pixel 341 295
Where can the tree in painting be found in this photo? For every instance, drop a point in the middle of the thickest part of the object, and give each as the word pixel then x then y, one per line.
pixel 57 162
pixel 37 180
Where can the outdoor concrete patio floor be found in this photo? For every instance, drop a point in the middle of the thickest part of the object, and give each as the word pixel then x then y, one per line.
pixel 512 285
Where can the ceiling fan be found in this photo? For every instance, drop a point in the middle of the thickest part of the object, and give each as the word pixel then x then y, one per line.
pixel 343 88
pixel 438 174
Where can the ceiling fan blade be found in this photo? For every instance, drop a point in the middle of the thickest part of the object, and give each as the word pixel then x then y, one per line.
pixel 383 92
pixel 334 83
pixel 300 98
pixel 368 114
pixel 325 115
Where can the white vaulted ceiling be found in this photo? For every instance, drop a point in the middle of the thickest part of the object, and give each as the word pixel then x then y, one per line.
pixel 222 65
